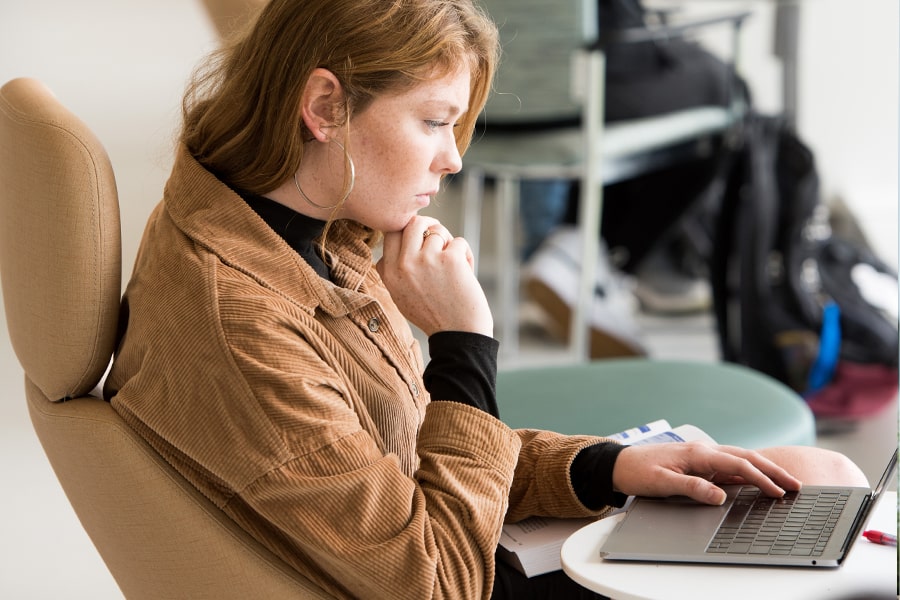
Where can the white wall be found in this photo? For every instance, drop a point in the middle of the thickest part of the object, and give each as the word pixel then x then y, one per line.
pixel 849 106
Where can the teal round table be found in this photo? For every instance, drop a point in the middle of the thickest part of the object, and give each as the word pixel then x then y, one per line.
pixel 733 404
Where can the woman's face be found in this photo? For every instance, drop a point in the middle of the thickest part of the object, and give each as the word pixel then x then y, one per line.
pixel 401 145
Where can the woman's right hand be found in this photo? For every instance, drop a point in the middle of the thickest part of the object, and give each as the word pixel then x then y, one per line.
pixel 693 469
pixel 430 275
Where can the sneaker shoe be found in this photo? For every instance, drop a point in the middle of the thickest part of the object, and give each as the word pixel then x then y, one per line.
pixel 662 287
pixel 551 280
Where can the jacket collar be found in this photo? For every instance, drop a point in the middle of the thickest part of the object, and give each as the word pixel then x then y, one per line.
pixel 214 216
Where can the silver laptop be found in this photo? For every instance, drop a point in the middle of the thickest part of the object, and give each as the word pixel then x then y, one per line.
pixel 814 527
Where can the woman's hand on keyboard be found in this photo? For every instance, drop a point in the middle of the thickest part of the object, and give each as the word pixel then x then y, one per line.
pixel 693 469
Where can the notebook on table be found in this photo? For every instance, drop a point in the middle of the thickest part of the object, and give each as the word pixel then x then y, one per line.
pixel 814 527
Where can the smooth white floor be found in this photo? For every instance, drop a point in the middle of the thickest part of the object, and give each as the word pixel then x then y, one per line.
pixel 122 65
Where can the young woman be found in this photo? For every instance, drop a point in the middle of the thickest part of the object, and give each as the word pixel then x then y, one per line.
pixel 270 360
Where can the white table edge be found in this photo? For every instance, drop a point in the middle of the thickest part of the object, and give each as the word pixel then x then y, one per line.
pixel 581 561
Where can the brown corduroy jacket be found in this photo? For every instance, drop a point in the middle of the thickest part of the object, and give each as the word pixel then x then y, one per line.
pixel 297 405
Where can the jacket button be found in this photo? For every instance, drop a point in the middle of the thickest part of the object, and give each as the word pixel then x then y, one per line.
pixel 374 324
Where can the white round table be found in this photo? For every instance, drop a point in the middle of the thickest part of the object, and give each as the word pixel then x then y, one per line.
pixel 869 569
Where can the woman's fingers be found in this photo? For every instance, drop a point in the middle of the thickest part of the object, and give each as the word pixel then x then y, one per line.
pixel 437 232
pixel 430 277
pixel 693 469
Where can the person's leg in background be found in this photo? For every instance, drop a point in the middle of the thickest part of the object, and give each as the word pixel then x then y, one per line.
pixel 551 250
pixel 643 255
pixel 659 229
pixel 643 222
pixel 543 204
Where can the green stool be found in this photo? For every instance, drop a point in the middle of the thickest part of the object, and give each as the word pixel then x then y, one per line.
pixel 734 404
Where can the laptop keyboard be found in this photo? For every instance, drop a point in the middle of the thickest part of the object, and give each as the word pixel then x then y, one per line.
pixel 799 524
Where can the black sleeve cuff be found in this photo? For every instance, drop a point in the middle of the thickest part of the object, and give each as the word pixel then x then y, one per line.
pixel 463 368
pixel 591 474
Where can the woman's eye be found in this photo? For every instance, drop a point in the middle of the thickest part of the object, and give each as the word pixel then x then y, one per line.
pixel 435 124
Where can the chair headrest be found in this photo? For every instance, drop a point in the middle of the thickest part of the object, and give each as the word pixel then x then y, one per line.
pixel 60 241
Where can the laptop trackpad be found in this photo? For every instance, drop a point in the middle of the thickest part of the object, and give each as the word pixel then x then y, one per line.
pixel 664 526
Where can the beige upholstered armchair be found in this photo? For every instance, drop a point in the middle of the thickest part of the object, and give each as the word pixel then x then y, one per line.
pixel 60 262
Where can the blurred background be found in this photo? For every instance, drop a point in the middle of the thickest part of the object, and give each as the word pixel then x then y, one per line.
pixel 121 66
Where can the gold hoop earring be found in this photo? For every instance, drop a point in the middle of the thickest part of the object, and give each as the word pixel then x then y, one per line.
pixel 349 188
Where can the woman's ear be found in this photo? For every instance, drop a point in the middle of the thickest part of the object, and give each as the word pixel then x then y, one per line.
pixel 321 103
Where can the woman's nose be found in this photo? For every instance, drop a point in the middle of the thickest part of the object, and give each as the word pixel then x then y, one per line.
pixel 449 159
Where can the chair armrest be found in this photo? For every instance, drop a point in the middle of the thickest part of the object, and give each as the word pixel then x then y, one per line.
pixel 666 31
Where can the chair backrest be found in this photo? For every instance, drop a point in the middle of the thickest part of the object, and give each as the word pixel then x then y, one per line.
pixel 534 83
pixel 60 266
pixel 60 244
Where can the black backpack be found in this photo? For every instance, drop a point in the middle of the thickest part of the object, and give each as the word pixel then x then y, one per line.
pixel 645 79
pixel 787 294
